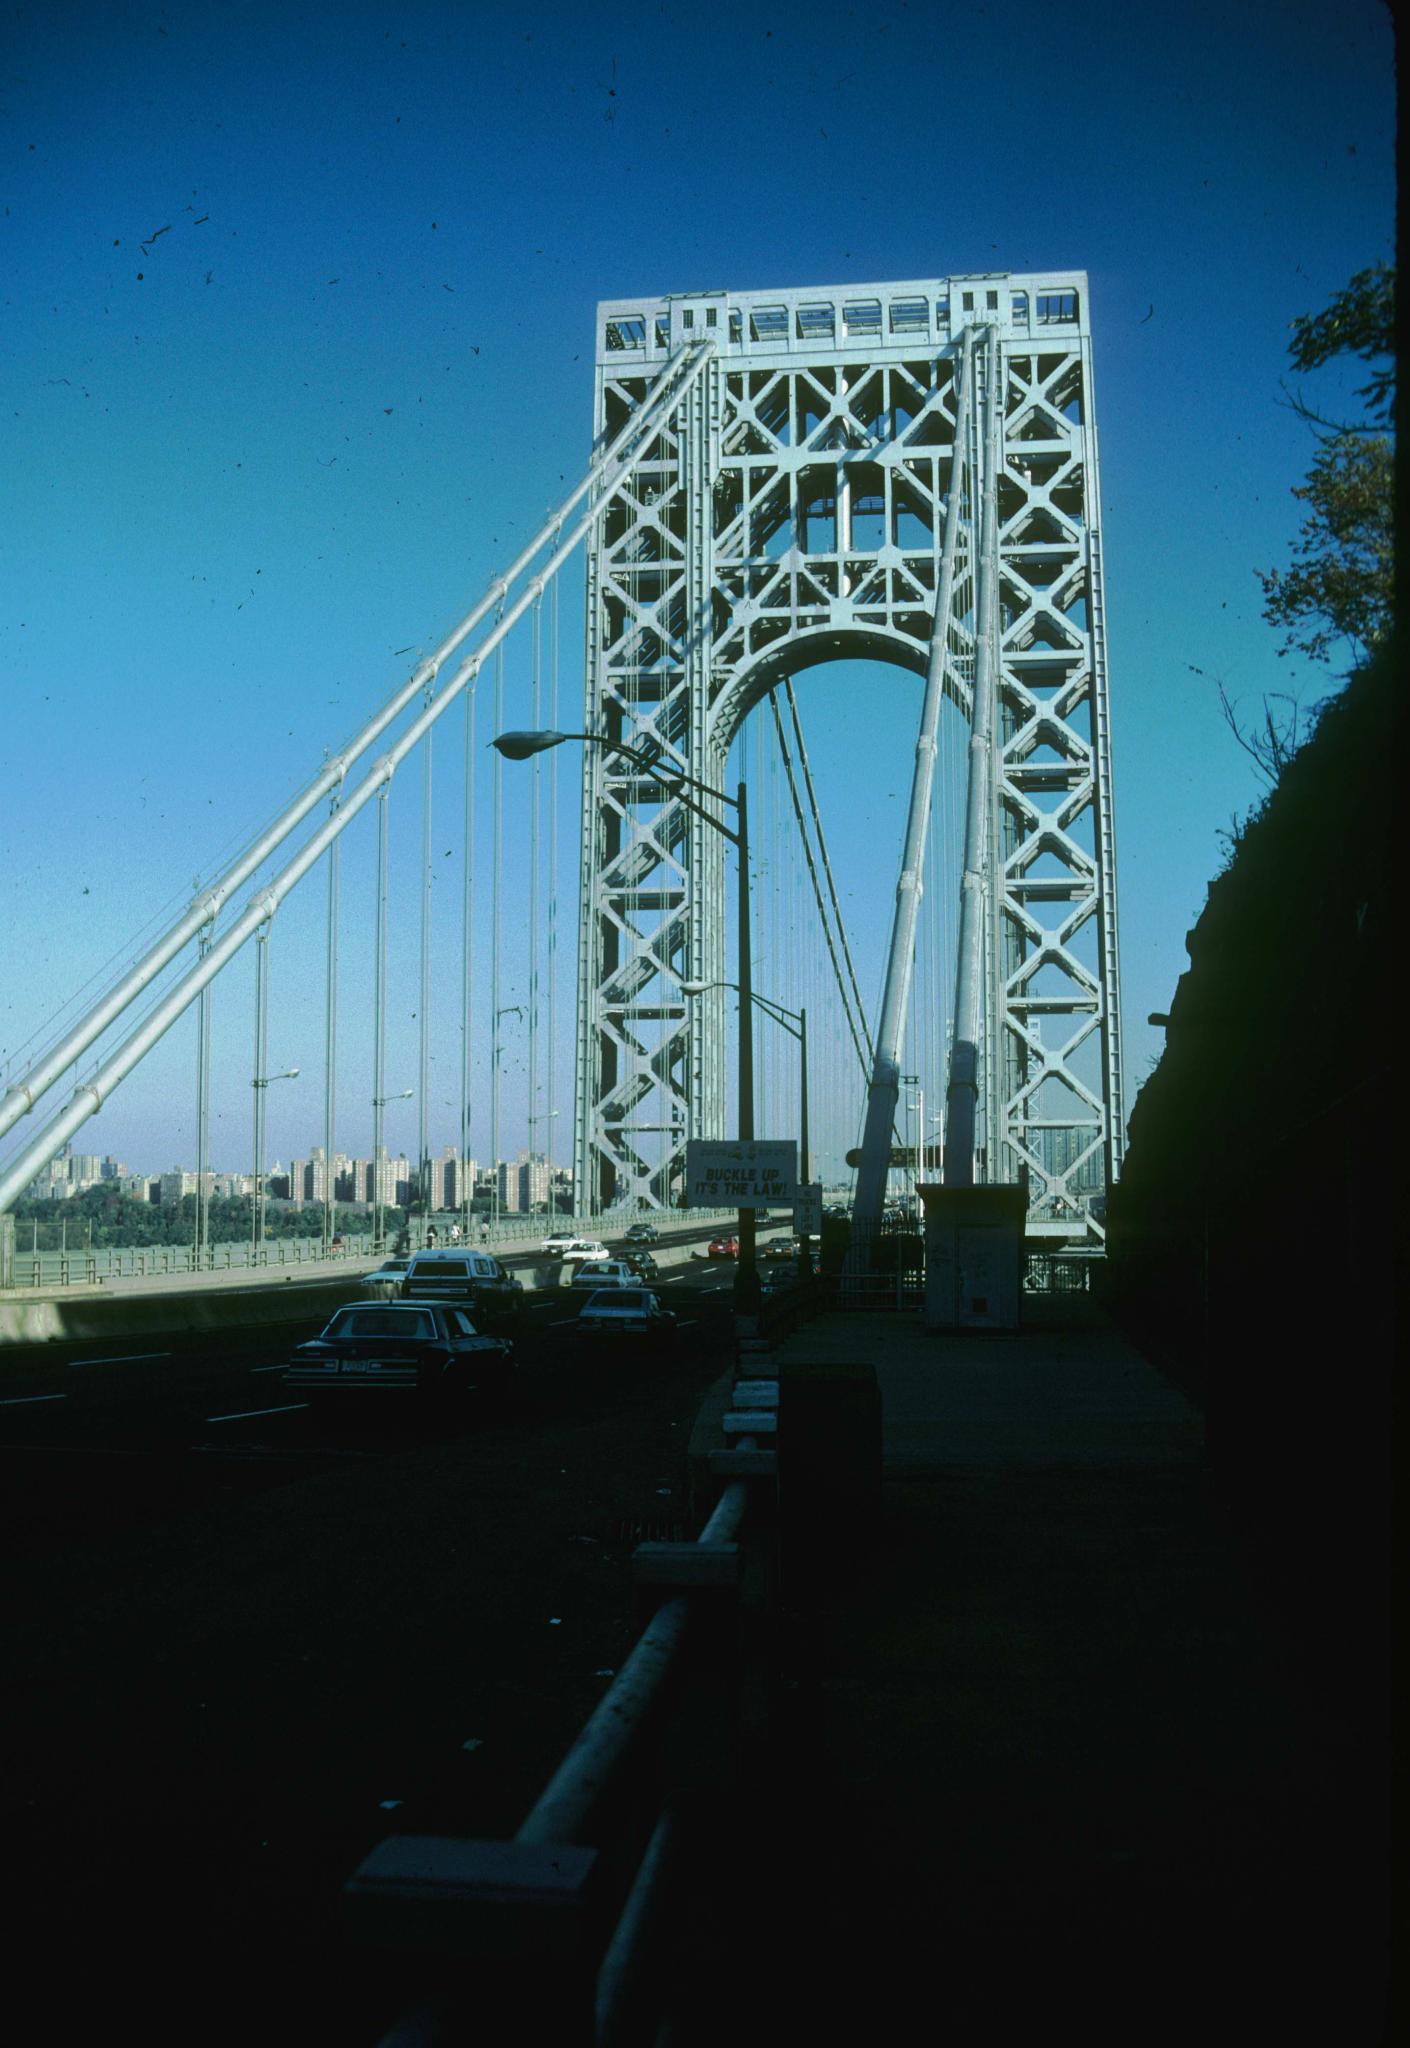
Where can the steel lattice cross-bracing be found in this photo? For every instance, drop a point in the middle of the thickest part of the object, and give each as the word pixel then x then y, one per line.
pixel 792 510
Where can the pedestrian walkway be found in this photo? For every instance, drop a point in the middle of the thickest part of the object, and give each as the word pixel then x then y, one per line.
pixel 1044 1772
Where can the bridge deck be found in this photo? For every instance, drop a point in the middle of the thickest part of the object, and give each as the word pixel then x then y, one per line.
pixel 1046 1764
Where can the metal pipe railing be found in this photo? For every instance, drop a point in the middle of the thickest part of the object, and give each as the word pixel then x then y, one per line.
pixel 571 1806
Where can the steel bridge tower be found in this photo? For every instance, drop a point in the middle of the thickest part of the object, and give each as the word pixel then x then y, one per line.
pixel 791 511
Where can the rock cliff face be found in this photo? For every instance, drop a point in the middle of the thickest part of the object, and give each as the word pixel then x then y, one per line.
pixel 1251 1239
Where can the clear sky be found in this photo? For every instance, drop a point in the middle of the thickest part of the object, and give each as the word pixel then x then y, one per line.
pixel 249 465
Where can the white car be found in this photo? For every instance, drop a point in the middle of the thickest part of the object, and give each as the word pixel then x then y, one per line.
pixel 584 1248
pixel 384 1282
pixel 605 1273
pixel 559 1241
pixel 624 1311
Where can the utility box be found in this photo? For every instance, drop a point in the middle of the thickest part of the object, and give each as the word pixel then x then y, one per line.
pixel 974 1257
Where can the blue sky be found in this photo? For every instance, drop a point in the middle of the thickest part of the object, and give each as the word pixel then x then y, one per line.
pixel 246 468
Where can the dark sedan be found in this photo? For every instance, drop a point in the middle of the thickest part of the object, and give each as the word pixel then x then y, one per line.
pixel 421 1348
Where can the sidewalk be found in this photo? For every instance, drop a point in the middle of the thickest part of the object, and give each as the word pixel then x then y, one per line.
pixel 1044 1773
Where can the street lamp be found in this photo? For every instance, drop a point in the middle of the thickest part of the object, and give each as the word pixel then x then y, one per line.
pixel 795 1022
pixel 379 1103
pixel 260 1082
pixel 520 746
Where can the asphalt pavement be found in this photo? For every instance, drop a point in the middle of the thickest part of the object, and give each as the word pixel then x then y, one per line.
pixel 244 1640
pixel 1046 1763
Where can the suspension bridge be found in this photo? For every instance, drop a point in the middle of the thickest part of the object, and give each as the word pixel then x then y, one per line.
pixel 1009 1573
pixel 903 476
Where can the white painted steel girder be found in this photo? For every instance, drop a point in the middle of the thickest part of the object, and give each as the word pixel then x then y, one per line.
pixel 735 556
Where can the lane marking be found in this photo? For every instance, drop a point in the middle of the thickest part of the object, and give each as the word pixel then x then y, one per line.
pixel 128 1358
pixel 266 1368
pixel 690 1325
pixel 26 1400
pixel 244 1414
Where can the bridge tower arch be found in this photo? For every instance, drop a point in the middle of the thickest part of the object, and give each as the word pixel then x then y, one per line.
pixel 792 510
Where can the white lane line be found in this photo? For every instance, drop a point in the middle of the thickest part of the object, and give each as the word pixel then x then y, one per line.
pixel 244 1414
pixel 128 1358
pixel 26 1400
pixel 690 1325
pixel 266 1368
pixel 563 1323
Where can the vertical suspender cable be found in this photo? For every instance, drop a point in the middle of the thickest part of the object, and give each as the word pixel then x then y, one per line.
pixel 423 1089
pixel 551 1104
pixel 464 1190
pixel 201 1233
pixel 330 1044
pixel 857 1025
pixel 260 1081
pixel 379 1021
pixel 535 691
pixel 498 859
pixel 806 767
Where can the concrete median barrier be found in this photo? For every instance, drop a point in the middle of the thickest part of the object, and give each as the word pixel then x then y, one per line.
pixel 99 1318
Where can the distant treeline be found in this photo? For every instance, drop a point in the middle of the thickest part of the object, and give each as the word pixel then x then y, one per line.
pixel 115 1219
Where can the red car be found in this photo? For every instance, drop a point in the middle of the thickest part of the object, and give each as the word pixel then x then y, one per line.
pixel 724 1248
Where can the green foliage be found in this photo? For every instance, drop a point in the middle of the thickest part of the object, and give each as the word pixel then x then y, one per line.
pixel 118 1220
pixel 1360 321
pixel 1339 587
pixel 1340 584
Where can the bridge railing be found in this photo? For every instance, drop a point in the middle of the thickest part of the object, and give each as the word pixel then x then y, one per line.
pixel 557 1927
pixel 561 1930
pixel 88 1266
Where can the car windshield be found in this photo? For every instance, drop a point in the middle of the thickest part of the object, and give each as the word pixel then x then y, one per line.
pixel 616 1297
pixel 399 1324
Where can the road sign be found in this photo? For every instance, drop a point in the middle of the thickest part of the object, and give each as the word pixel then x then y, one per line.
pixel 807 1209
pixel 904 1155
pixel 740 1173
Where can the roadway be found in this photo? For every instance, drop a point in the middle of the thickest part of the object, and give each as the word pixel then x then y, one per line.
pixel 245 1639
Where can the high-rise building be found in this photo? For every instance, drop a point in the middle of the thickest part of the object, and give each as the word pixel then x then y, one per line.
pixel 507 1184
pixel 533 1180
pixel 445 1180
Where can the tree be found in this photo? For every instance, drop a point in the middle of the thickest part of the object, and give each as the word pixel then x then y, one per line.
pixel 1339 587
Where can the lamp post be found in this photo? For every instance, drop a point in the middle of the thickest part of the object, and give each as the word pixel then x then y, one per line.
pixel 520 746
pixel 260 1083
pixel 379 1103
pixel 795 1022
